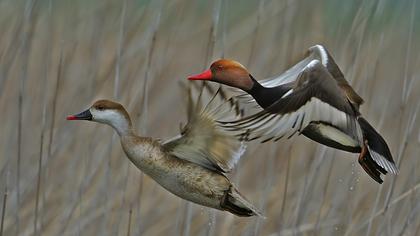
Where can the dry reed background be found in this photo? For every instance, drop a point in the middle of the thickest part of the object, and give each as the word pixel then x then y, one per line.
pixel 68 178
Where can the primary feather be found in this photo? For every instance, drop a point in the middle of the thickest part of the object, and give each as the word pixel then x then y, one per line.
pixel 202 140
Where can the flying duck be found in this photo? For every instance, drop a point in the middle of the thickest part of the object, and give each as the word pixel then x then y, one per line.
pixel 191 165
pixel 311 98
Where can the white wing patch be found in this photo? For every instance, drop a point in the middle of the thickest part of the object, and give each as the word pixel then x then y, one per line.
pixel 289 76
pixel 383 162
pixel 337 135
pixel 287 94
pixel 276 126
pixel 322 53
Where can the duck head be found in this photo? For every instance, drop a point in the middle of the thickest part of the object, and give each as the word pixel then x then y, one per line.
pixel 106 112
pixel 227 72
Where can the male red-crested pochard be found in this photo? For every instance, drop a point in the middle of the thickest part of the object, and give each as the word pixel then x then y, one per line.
pixel 312 98
pixel 190 165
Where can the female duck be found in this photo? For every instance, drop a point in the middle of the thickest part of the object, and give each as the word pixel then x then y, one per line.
pixel 312 98
pixel 191 165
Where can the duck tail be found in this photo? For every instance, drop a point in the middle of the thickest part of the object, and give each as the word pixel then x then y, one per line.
pixel 379 153
pixel 235 203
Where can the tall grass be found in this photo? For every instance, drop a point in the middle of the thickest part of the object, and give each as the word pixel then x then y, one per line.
pixel 63 178
pixel 3 211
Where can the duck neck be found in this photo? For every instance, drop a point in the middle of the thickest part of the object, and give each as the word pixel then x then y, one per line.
pixel 123 127
pixel 264 96
pixel 259 93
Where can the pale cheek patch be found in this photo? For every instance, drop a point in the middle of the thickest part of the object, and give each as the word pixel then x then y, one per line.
pixel 106 116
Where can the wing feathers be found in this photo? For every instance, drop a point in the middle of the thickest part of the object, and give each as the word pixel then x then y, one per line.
pixel 203 141
pixel 314 98
pixel 383 162
pixel 316 52
pixel 275 126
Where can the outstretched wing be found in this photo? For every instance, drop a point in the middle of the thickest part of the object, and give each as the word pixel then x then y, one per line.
pixel 202 140
pixel 317 52
pixel 326 59
pixel 314 97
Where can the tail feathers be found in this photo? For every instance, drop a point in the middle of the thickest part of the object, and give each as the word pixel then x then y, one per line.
pixel 371 168
pixel 235 203
pixel 377 147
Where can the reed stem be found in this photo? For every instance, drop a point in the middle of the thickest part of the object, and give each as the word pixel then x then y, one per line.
pixel 3 212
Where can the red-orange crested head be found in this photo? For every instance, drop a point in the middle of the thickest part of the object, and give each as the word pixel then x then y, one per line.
pixel 228 72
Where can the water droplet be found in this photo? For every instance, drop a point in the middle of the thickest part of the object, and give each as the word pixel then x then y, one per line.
pixel 336 228
pixel 351 188
pixel 340 180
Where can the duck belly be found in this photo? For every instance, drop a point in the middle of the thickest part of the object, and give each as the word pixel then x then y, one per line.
pixel 182 178
pixel 191 182
pixel 331 136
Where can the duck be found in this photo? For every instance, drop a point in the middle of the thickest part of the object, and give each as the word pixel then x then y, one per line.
pixel 312 98
pixel 191 165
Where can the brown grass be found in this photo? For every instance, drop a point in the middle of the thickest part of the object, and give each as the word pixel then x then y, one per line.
pixel 63 178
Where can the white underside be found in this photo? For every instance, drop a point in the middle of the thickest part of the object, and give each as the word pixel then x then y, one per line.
pixel 336 135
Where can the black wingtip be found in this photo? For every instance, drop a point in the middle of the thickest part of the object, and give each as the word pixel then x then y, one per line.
pixel 371 168
pixel 381 155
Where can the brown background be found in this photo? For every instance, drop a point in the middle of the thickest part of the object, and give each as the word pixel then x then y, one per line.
pixel 57 57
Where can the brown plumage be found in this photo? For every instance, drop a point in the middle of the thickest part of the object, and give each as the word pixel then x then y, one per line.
pixel 336 73
pixel 191 165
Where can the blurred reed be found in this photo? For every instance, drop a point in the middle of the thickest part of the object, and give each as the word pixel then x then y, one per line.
pixel 62 178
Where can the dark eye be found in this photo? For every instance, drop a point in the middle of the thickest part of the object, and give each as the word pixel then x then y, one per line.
pixel 101 108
